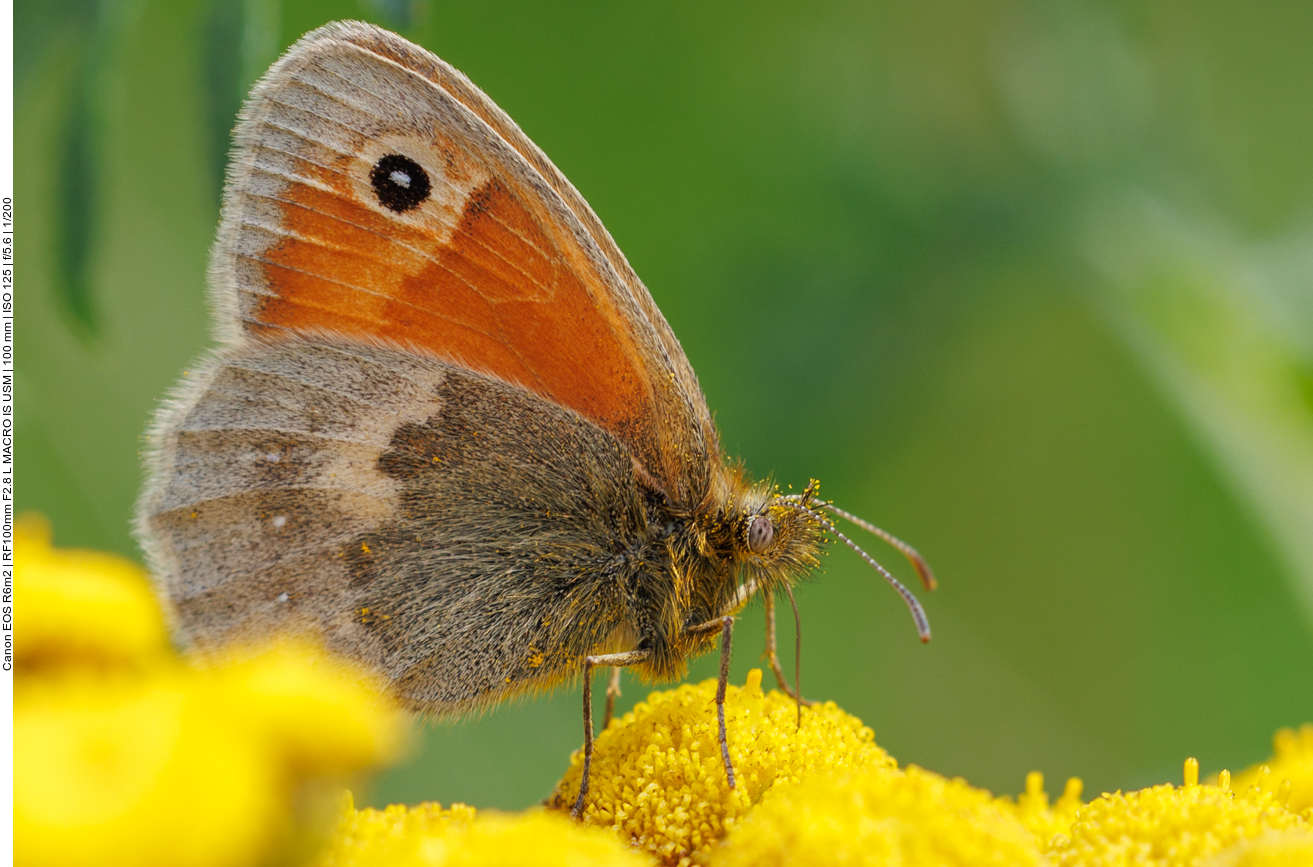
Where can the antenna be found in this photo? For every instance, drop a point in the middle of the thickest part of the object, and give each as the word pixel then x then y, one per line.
pixel 795 501
pixel 913 556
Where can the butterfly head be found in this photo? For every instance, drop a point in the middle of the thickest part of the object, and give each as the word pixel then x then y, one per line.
pixel 761 540
pixel 777 541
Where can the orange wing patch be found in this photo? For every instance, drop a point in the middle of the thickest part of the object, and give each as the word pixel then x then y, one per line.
pixel 493 262
pixel 496 296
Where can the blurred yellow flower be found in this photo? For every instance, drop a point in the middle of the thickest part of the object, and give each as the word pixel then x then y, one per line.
pixel 84 607
pixel 126 754
pixel 326 718
pixel 1290 848
pixel 394 835
pixel 1292 761
pixel 141 768
pixel 1170 826
pixel 658 776
pixel 429 836
pixel 912 818
pixel 1033 809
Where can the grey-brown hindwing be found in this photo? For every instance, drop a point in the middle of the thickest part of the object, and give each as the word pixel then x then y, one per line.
pixel 462 536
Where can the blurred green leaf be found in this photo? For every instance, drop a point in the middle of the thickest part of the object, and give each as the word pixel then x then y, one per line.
pixel 77 197
pixel 1226 327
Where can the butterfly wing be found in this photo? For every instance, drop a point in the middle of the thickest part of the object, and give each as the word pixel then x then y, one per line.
pixel 441 393
pixel 455 533
pixel 377 194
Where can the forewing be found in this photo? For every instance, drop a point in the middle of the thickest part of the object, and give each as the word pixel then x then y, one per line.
pixel 501 267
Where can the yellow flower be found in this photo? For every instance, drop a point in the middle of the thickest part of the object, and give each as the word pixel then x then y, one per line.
pixel 1293 761
pixel 658 776
pixel 1168 825
pixel 880 817
pixel 429 836
pixel 326 718
pixel 141 768
pixel 1044 821
pixel 124 752
pixel 1290 848
pixel 81 607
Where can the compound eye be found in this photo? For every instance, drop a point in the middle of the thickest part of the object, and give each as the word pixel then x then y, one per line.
pixel 760 533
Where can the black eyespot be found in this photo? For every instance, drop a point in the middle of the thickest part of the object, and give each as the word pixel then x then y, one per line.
pixel 760 533
pixel 400 183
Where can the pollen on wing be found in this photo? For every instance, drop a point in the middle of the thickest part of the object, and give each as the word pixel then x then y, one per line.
pixel 657 774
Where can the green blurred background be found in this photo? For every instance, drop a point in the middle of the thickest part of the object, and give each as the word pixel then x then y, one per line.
pixel 1028 283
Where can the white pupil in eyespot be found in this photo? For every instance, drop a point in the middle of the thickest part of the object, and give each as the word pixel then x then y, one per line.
pixel 400 178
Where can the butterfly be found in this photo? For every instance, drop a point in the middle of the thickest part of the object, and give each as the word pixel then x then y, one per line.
pixel 447 429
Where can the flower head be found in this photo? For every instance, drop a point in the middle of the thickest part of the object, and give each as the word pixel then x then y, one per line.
pixel 1033 809
pixel 1171 826
pixel 658 776
pixel 88 608
pixel 124 749
pixel 429 836
pixel 1290 848
pixel 1289 773
pixel 882 816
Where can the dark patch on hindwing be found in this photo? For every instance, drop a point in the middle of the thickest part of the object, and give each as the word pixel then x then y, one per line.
pixel 512 553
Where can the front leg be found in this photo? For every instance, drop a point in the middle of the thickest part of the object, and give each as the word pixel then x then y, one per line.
pixel 612 693
pixel 726 627
pixel 773 658
pixel 630 657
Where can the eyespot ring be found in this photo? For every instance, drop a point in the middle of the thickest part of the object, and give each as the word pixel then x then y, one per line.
pixel 761 532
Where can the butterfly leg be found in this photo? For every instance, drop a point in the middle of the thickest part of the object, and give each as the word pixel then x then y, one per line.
pixel 612 693
pixel 746 591
pixel 726 633
pixel 772 656
pixel 590 662
pixel 726 627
